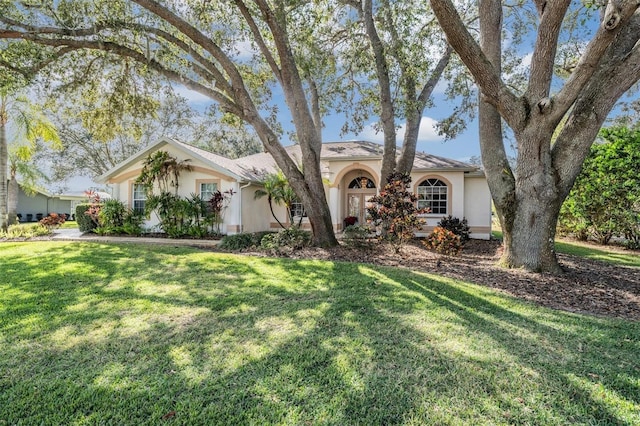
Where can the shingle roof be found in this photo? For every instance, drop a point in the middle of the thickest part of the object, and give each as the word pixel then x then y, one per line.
pixel 255 167
pixel 351 150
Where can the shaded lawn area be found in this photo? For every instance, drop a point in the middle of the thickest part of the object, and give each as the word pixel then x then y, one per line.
pixel 609 254
pixel 614 255
pixel 129 334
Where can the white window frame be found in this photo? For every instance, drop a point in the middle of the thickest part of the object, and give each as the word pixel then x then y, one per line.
pixel 431 193
pixel 297 209
pixel 210 193
pixel 138 201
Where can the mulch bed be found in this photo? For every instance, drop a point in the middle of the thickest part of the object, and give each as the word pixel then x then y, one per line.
pixel 587 286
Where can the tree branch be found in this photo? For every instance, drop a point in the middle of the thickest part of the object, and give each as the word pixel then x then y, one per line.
pixel 427 90
pixel 200 39
pixel 112 47
pixel 544 52
pixel 596 101
pixel 485 75
pixel 216 75
pixel 257 36
pixel 588 64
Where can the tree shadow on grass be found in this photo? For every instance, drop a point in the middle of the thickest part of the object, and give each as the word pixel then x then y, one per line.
pixel 559 346
pixel 231 340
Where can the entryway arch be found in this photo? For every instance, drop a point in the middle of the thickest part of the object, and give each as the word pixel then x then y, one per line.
pixel 359 187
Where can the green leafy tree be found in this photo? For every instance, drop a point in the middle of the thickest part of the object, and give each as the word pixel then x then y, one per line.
pixel 184 42
pixel 605 200
pixel 84 153
pixel 29 124
pixel 528 198
pixel 394 76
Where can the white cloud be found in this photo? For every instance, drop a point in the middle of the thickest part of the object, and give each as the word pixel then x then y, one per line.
pixel 428 132
pixel 191 96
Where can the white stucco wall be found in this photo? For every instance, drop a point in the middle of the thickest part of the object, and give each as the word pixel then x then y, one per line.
pixel 467 195
pixel 189 183
pixel 478 207
pixel 256 216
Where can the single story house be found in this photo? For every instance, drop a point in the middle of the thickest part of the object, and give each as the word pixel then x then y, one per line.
pixel 32 208
pixel 352 175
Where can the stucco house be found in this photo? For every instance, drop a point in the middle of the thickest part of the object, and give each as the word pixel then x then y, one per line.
pixel 351 171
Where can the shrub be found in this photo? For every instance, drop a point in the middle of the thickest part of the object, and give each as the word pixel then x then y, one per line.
pixel 288 239
pixel 444 242
pixel 242 241
pixel 30 230
pixel 132 222
pixel 192 217
pixel 605 200
pixel 631 230
pixel 53 221
pixel 356 235
pixel 85 221
pixel 112 214
pixel 457 226
pixel 394 212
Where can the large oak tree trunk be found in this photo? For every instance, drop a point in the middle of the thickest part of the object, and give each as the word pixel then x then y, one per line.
pixel 530 242
pixel 528 201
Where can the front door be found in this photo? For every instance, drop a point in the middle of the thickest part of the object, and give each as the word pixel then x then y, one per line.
pixel 357 203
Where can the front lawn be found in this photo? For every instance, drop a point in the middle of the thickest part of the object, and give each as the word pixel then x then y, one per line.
pixel 69 224
pixel 609 254
pixel 133 334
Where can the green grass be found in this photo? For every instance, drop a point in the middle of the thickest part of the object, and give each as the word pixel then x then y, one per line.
pixel 603 253
pixel 126 334
pixel 69 224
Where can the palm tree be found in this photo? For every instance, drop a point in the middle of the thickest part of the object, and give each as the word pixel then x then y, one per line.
pixel 20 164
pixel 29 124
pixel 273 189
pixel 278 191
pixel 4 222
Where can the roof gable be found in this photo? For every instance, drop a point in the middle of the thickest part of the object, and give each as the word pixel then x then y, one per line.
pixel 254 167
pixel 216 162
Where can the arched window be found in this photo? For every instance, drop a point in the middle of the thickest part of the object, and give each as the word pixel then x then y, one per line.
pixel 361 182
pixel 433 194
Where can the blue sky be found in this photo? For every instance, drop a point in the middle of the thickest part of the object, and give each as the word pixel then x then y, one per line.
pixel 461 148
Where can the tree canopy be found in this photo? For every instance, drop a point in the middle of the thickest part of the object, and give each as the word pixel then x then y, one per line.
pixel 528 199
pixel 233 52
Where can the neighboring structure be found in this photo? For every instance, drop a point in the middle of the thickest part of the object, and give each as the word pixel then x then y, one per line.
pixel 32 208
pixel 352 173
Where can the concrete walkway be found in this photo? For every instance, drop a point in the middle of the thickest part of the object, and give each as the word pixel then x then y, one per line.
pixel 74 234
